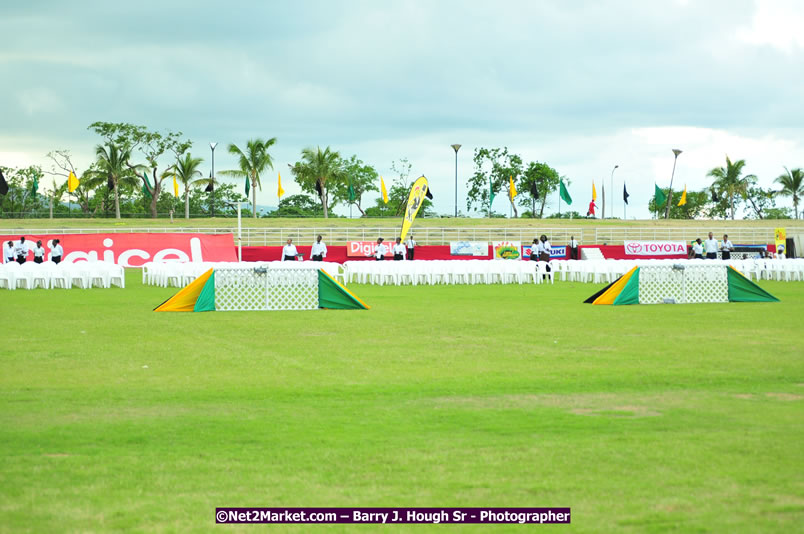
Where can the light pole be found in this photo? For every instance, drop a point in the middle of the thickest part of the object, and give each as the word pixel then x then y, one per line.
pixel 676 152
pixel 212 177
pixel 611 192
pixel 456 147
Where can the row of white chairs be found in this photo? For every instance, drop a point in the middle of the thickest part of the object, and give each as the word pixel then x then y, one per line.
pixel 49 275
pixel 433 272
pixel 175 274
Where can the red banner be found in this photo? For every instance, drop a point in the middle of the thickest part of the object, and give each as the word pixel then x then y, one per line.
pixel 133 250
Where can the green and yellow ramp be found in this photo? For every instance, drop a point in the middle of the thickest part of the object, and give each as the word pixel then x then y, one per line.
pixel 199 295
pixel 626 289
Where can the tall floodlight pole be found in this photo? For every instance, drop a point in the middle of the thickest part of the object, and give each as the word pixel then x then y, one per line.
pixel 456 147
pixel 212 176
pixel 611 193
pixel 676 152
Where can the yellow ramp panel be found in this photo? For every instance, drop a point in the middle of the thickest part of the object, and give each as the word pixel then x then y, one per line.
pixel 184 300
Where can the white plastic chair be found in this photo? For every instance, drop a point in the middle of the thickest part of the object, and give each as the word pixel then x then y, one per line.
pixel 8 278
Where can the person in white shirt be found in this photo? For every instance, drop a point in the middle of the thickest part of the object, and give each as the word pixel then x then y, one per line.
pixel 726 247
pixel 710 246
pixel 39 252
pixel 544 253
pixel 697 250
pixel 573 244
pixel 319 250
pixel 56 252
pixel 382 250
pixel 534 249
pixel 410 244
pixel 21 250
pixel 289 251
pixel 8 252
pixel 399 250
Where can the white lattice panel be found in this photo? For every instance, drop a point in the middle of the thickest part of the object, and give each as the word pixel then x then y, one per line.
pixel 238 289
pixel 693 283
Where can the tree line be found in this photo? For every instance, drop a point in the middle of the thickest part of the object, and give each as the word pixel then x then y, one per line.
pixel 137 171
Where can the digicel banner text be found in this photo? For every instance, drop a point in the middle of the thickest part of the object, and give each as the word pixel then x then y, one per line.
pixel 655 248
pixel 364 249
pixel 134 250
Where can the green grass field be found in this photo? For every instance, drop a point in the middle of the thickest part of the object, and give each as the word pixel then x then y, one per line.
pixel 640 418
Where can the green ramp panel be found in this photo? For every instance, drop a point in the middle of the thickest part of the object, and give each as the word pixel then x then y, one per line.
pixel 630 293
pixel 206 300
pixel 741 289
pixel 334 296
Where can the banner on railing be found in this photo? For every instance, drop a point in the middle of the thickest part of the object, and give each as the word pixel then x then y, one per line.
pixel 134 250
pixel 469 248
pixel 555 252
pixel 655 248
pixel 506 250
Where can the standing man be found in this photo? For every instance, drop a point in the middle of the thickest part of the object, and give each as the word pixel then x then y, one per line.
pixel 8 252
pixel 573 246
pixel 56 251
pixel 382 250
pixel 21 251
pixel 726 247
pixel 319 250
pixel 710 246
pixel 289 251
pixel 399 250
pixel 410 244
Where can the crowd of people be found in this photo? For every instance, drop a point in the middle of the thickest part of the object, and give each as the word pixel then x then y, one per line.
pixel 399 251
pixel 18 252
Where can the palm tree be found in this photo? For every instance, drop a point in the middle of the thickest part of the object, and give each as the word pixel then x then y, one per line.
pixel 113 166
pixel 316 168
pixel 792 186
pixel 252 162
pixel 729 181
pixel 186 169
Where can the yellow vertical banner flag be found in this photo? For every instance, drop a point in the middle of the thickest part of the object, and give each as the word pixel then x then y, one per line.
pixel 780 238
pixel 384 191
pixel 683 196
pixel 280 191
pixel 415 201
pixel 175 187
pixel 594 192
pixel 72 182
pixel 511 188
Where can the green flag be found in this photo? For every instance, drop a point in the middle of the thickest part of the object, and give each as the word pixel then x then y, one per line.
pixel 145 191
pixel 352 194
pixel 491 193
pixel 248 185
pixel 564 194
pixel 35 184
pixel 659 197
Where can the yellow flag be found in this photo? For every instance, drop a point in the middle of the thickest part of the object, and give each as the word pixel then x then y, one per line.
pixel 594 192
pixel 511 188
pixel 72 182
pixel 280 191
pixel 683 197
pixel 175 187
pixel 384 191
pixel 415 201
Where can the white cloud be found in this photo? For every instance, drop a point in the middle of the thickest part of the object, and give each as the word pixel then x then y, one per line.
pixel 776 23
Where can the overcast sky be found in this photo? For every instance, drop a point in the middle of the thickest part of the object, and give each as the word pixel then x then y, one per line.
pixel 580 85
